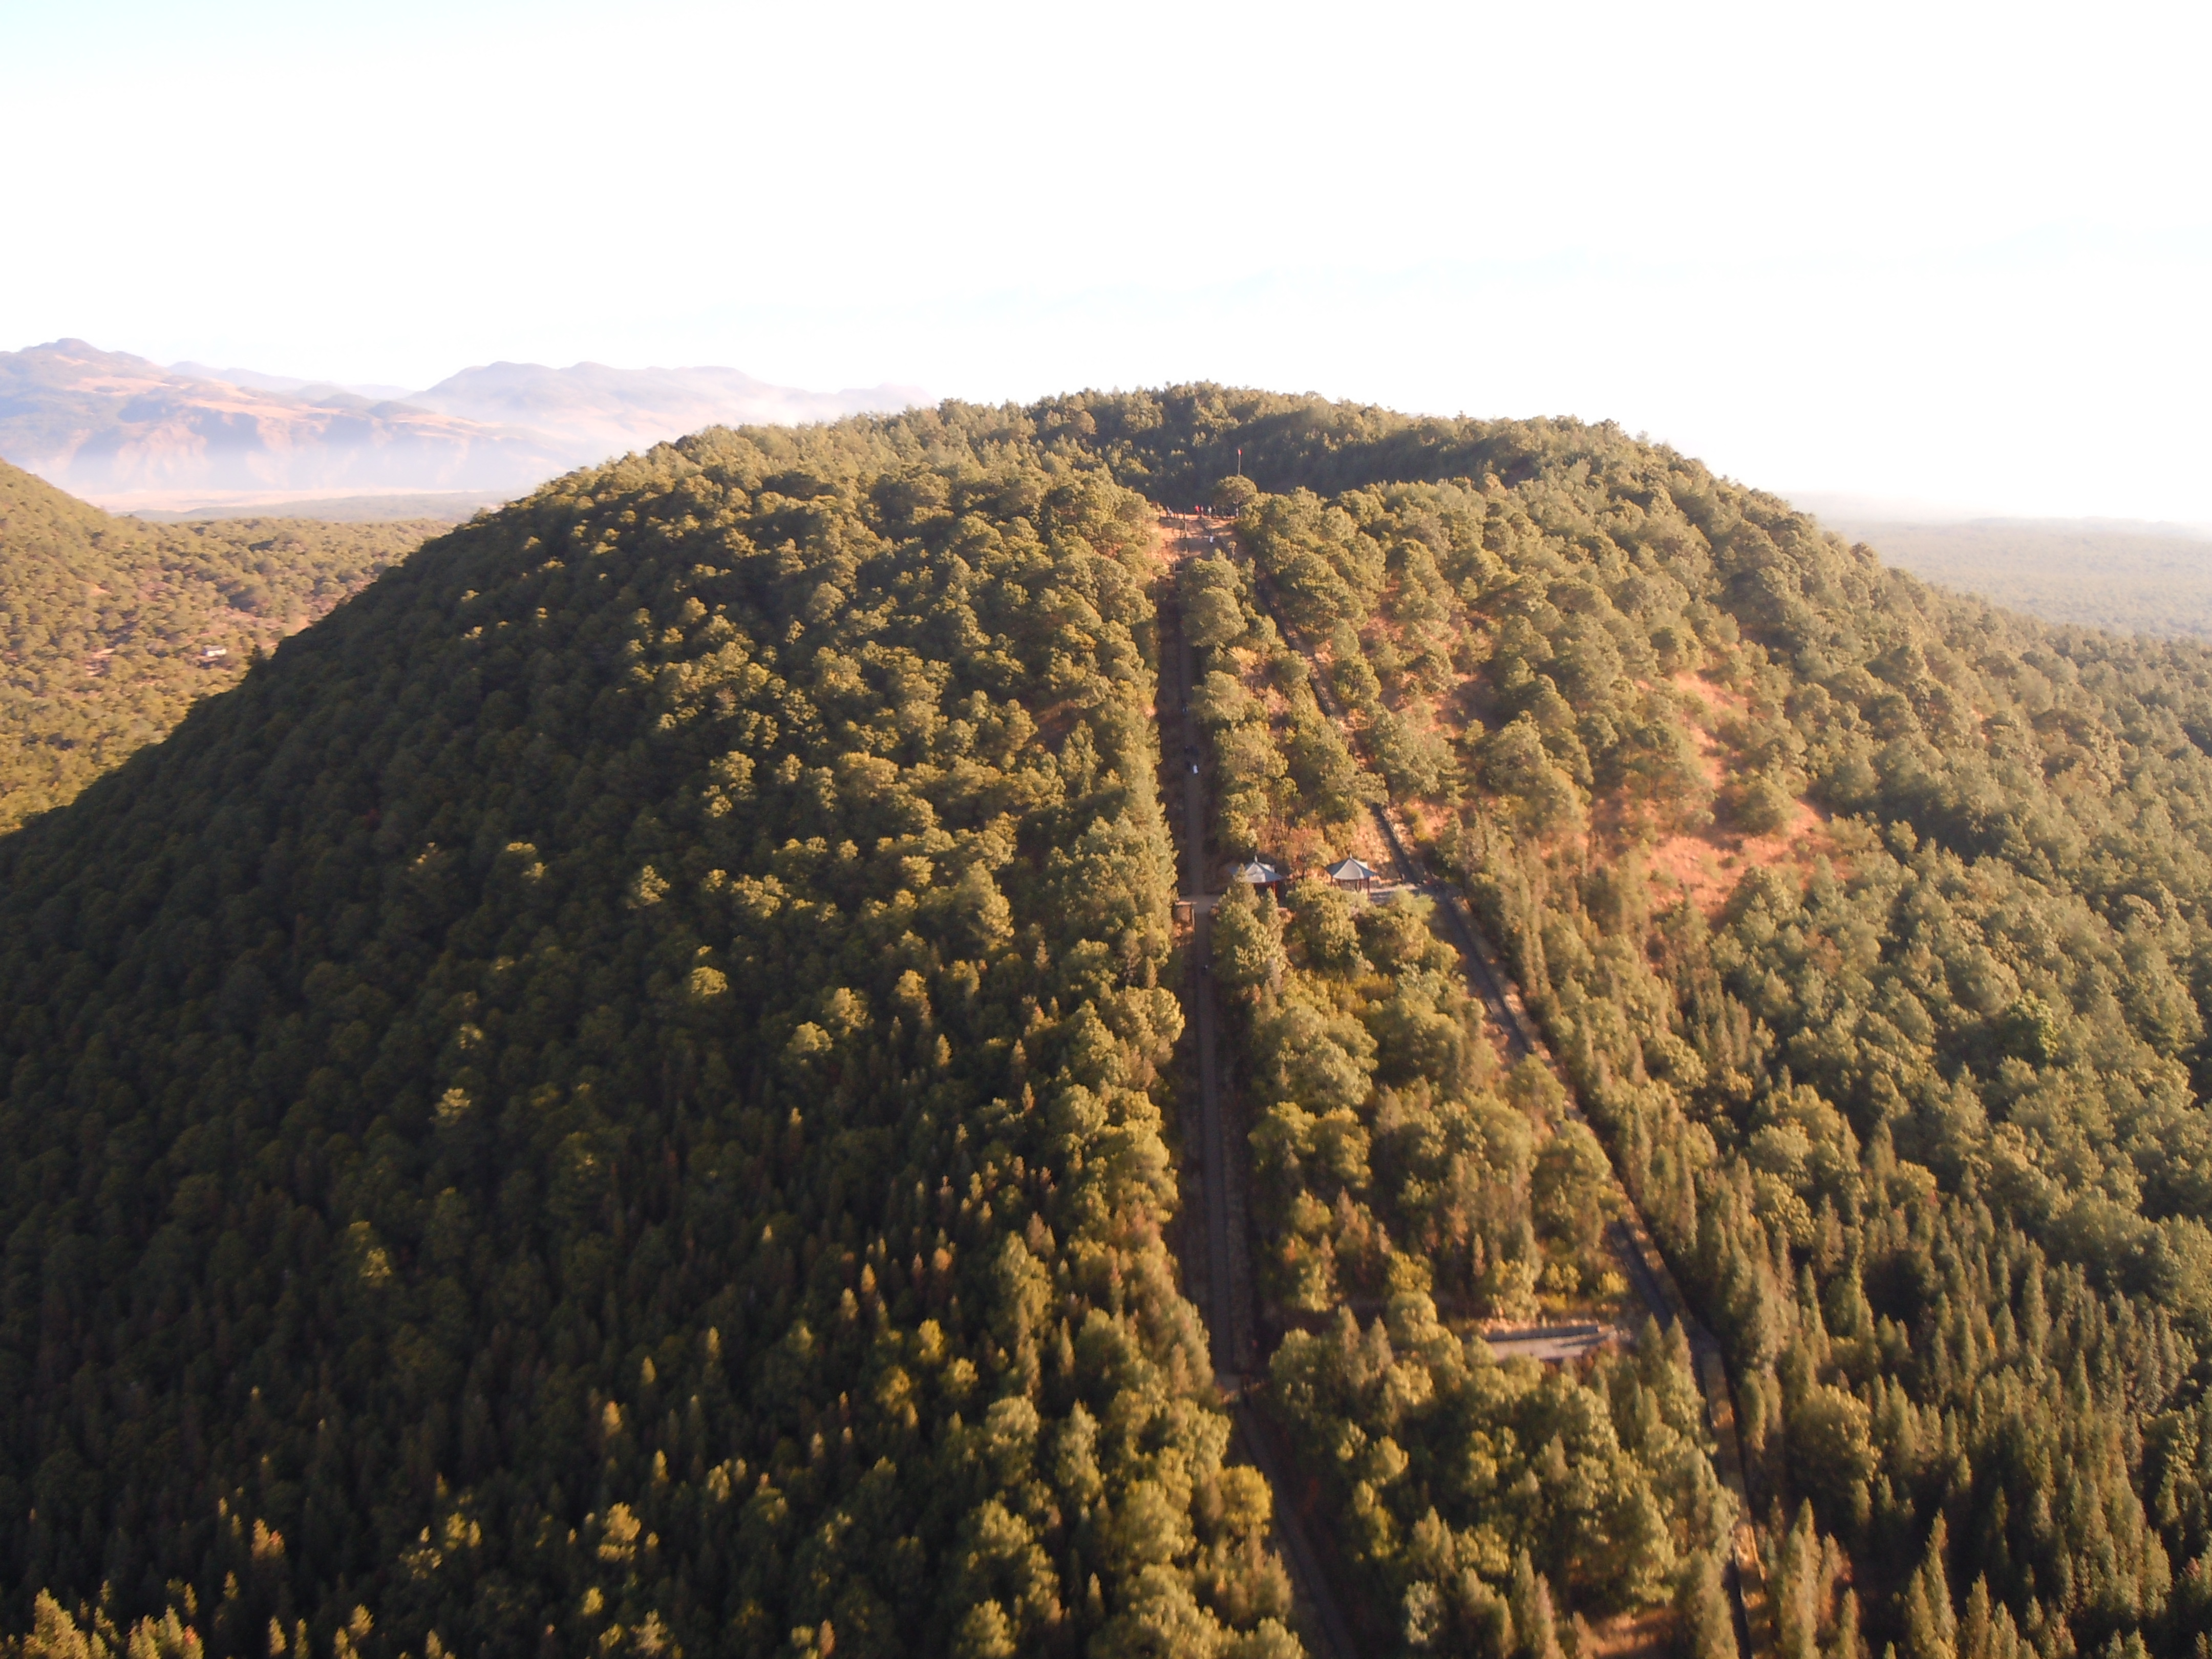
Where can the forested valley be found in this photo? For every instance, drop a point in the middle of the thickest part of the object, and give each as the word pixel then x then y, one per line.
pixel 110 629
pixel 624 1091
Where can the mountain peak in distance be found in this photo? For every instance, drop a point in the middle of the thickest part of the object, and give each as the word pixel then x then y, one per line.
pixel 254 379
pixel 131 434
pixel 600 410
pixel 126 431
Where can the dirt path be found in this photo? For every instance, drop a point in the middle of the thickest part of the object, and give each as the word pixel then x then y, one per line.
pixel 1228 1273
pixel 1632 1239
pixel 1219 1173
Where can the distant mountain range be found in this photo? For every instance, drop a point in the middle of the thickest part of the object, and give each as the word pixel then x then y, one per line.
pixel 125 431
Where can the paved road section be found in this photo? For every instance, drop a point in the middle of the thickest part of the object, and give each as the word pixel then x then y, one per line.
pixel 1632 1239
pixel 1228 1313
pixel 1223 1186
pixel 1554 1344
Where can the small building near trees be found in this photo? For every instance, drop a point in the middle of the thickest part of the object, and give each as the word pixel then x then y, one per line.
pixel 1353 875
pixel 1257 873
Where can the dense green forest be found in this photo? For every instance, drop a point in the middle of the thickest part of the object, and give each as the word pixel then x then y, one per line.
pixel 608 1097
pixel 110 629
pixel 1408 1190
pixel 1872 925
pixel 620 1090
pixel 1487 1504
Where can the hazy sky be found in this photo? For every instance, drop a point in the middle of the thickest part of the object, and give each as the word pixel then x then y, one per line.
pixel 1955 253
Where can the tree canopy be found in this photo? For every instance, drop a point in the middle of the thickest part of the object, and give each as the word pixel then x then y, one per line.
pixel 1871 923
pixel 110 629
pixel 610 1096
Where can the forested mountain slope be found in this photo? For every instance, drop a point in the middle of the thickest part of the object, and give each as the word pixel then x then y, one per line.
pixel 109 628
pixel 609 1098
pixel 1415 1200
pixel 617 1092
pixel 1873 926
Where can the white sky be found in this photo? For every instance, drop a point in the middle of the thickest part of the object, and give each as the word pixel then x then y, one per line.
pixel 1955 253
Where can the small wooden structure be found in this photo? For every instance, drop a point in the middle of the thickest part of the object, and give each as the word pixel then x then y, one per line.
pixel 1257 873
pixel 1352 875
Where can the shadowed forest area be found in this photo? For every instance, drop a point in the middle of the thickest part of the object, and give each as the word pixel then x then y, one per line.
pixel 610 1096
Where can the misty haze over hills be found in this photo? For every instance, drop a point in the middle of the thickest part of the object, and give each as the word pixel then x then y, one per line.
pixel 128 432
pixel 2131 575
pixel 599 412
pixel 254 379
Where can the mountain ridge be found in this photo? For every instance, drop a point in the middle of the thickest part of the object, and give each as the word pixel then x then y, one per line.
pixel 106 422
pixel 127 431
